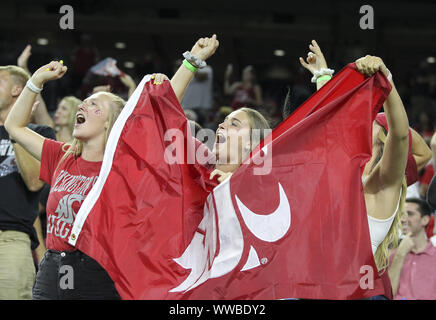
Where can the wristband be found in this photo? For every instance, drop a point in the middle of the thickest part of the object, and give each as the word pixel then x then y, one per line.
pixel 196 62
pixel 321 72
pixel 389 76
pixel 323 78
pixel 32 87
pixel 189 66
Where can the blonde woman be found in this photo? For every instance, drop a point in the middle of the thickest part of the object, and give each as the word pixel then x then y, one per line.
pixel 80 163
pixel 71 170
pixel 384 182
pixel 65 118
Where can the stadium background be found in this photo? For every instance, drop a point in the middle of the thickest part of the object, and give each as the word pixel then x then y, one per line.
pixel 153 34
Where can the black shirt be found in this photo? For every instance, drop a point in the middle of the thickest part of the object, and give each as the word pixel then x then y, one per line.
pixel 18 205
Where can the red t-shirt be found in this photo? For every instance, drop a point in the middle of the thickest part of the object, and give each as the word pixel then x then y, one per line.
pixel 70 184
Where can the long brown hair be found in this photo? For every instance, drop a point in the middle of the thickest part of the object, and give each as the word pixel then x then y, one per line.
pixel 257 121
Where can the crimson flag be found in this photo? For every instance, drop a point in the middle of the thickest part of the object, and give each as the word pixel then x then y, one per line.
pixel 289 223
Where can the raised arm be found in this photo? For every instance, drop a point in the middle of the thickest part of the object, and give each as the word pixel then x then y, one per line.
pixel 394 159
pixel 202 49
pixel 229 89
pixel 315 61
pixel 129 83
pixel 19 115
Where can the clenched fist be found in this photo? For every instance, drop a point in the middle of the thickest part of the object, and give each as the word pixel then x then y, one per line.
pixel 369 65
pixel 205 47
pixel 52 71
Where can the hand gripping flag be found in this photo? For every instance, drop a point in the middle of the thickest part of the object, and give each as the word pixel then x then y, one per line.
pixel 296 230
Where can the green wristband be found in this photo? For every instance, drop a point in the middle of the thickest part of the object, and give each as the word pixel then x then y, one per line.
pixel 189 66
pixel 324 78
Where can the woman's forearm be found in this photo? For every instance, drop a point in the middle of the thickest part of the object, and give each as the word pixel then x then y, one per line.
pixel 396 116
pixel 180 81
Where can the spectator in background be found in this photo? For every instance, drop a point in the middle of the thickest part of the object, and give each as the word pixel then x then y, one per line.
pixel 113 84
pixel 19 195
pixel 199 94
pixel 222 113
pixel 191 115
pixel 412 264
pixel 65 118
pixel 84 57
pixel 425 126
pixel 245 93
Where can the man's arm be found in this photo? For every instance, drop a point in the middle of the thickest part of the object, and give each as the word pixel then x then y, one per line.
pixel 40 250
pixel 396 266
pixel 28 167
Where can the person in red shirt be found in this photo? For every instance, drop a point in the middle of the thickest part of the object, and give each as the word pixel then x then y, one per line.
pixel 246 93
pixel 71 170
pixel 412 265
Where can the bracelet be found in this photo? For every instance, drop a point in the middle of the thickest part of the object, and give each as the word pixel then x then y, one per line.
pixel 321 72
pixel 196 62
pixel 32 87
pixel 389 76
pixel 323 78
pixel 189 66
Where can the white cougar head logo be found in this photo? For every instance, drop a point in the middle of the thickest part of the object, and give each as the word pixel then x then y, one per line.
pixel 201 255
pixel 65 207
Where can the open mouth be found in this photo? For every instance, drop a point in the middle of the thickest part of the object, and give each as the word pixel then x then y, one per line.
pixel 80 118
pixel 220 138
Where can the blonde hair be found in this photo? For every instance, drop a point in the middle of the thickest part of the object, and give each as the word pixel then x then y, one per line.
pixel 72 104
pixel 76 146
pixel 390 242
pixel 18 75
